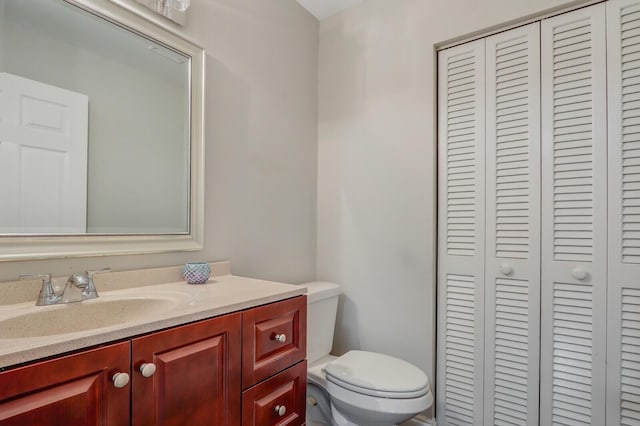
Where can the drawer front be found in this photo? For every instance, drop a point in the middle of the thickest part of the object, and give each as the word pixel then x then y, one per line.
pixel 273 338
pixel 279 400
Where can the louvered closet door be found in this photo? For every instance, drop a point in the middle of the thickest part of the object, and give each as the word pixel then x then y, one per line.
pixel 512 295
pixel 623 374
pixel 574 223
pixel 461 234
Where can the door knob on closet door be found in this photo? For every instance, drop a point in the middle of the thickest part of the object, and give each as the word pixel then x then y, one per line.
pixel 506 269
pixel 579 273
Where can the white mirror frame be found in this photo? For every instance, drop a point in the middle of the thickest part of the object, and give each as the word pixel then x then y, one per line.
pixel 62 246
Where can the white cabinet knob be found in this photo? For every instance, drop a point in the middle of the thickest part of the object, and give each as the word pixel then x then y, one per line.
pixel 281 410
pixel 506 269
pixel 147 369
pixel 280 338
pixel 120 380
pixel 579 273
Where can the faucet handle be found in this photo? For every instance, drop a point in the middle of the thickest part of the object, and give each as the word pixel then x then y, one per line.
pixel 91 273
pixel 47 295
pixel 46 277
pixel 90 291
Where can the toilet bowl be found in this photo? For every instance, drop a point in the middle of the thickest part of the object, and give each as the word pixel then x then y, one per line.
pixel 358 388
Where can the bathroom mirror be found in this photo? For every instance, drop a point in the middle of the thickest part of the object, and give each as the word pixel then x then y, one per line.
pixel 101 132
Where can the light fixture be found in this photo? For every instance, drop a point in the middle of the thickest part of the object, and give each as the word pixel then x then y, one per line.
pixel 180 5
pixel 163 6
pixel 172 9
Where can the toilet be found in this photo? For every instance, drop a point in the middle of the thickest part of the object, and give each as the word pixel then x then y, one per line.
pixel 358 388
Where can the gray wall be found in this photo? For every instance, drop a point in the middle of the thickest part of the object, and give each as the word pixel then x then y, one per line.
pixel 261 143
pixel 377 164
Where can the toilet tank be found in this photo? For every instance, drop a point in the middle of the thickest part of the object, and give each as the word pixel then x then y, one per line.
pixel 322 306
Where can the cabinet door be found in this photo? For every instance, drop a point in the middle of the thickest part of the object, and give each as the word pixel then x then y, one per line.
pixel 461 147
pixel 197 376
pixel 623 337
pixel 512 279
pixel 71 390
pixel 574 218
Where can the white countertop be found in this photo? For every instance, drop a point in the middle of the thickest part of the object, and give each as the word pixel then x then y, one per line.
pixel 221 295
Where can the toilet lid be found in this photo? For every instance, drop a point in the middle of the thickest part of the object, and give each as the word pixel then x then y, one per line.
pixel 376 374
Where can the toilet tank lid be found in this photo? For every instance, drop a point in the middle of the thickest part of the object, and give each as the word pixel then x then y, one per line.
pixel 318 290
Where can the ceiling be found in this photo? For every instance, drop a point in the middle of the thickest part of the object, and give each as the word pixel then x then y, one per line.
pixel 324 8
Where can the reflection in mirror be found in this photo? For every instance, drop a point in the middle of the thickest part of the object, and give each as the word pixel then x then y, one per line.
pixel 101 132
pixel 94 125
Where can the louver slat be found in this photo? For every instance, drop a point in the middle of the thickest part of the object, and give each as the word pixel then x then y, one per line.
pixel 459 352
pixel 572 340
pixel 511 352
pixel 461 154
pixel 630 358
pixel 630 148
pixel 512 147
pixel 572 145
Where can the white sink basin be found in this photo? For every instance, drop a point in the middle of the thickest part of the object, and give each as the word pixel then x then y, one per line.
pixel 81 316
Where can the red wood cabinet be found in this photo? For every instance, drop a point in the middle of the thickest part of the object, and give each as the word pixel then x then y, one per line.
pixel 71 390
pixel 197 375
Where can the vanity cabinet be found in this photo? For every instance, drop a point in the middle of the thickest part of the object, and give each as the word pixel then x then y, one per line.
pixel 193 373
pixel 76 389
pixel 243 368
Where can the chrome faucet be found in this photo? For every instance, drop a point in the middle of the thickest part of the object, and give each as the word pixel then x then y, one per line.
pixel 83 282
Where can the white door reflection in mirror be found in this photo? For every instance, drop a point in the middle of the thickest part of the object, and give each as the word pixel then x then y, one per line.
pixel 43 157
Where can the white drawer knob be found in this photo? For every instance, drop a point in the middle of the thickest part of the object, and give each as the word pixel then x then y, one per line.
pixel 147 369
pixel 506 269
pixel 281 410
pixel 280 338
pixel 120 380
pixel 579 273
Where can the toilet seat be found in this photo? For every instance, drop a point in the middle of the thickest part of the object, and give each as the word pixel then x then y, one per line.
pixel 377 375
pixel 378 393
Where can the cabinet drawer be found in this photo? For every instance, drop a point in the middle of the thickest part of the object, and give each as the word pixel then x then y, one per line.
pixel 279 400
pixel 273 338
